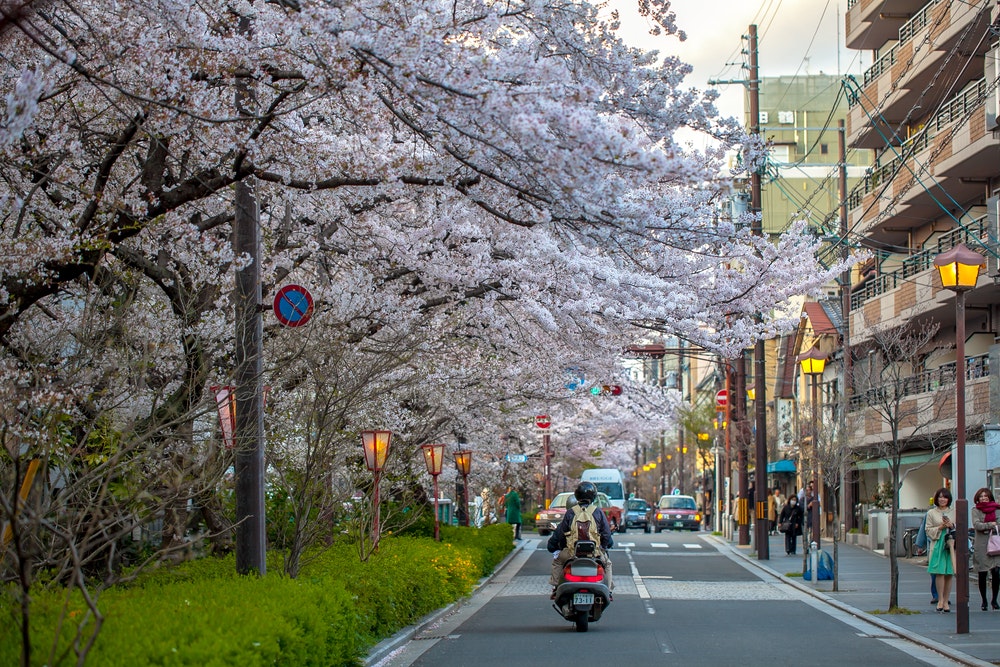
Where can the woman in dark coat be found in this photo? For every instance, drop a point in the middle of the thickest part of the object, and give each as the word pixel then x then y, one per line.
pixel 792 514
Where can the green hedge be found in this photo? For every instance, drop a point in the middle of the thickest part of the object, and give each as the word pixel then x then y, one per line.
pixel 203 613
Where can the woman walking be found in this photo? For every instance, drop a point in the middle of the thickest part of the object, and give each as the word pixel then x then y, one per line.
pixel 791 517
pixel 940 537
pixel 984 521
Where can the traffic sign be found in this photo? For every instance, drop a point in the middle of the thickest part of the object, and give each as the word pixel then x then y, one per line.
pixel 293 305
pixel 517 458
pixel 721 399
pixel 542 421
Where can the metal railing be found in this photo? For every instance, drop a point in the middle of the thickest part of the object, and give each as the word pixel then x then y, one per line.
pixel 957 108
pixel 920 383
pixel 920 261
pixel 907 31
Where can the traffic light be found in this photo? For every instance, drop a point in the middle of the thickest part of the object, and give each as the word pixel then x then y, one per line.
pixel 606 390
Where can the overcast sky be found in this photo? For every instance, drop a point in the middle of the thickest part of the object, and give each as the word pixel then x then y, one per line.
pixel 794 36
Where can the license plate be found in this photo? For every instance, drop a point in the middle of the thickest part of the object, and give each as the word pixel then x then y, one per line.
pixel 583 598
pixel 678 524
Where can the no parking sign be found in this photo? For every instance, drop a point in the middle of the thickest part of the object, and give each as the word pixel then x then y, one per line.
pixel 293 305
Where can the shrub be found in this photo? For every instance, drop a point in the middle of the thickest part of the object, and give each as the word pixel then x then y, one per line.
pixel 202 613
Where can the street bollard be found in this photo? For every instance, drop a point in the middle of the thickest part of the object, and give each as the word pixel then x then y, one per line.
pixel 814 562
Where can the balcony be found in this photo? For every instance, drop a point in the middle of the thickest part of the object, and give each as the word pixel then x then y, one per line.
pixel 940 166
pixel 930 394
pixel 971 235
pixel 871 23
pixel 904 84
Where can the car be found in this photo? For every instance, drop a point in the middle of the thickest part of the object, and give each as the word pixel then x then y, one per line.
pixel 637 513
pixel 677 512
pixel 548 519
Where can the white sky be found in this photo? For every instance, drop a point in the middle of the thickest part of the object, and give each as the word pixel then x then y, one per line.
pixel 794 36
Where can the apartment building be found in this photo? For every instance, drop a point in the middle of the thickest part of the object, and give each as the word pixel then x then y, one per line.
pixel 927 113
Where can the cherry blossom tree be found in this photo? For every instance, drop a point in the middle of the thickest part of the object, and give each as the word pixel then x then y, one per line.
pixel 479 195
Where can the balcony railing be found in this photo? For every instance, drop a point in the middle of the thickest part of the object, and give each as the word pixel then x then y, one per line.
pixel 957 108
pixel 975 367
pixel 972 234
pixel 907 31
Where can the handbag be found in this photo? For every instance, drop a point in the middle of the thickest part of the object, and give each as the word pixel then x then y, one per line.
pixel 993 545
pixel 784 527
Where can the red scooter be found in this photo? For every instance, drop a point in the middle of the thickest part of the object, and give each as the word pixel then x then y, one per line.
pixel 582 596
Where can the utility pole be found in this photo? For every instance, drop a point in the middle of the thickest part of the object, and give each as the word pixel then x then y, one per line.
pixel 249 431
pixel 760 383
pixel 845 295
pixel 742 442
pixel 680 426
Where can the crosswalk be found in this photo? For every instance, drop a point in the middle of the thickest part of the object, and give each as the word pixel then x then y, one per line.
pixel 658 545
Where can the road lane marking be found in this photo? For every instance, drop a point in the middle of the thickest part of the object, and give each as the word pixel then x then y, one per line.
pixel 659 545
pixel 640 586
pixel 692 546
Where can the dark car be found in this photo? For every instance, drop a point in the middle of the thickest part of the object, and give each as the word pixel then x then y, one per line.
pixel 677 513
pixel 637 513
pixel 548 519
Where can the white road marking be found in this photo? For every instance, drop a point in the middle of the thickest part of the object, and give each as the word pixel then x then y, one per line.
pixel 659 545
pixel 692 546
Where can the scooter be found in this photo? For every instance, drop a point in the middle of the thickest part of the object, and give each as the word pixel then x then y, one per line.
pixel 582 597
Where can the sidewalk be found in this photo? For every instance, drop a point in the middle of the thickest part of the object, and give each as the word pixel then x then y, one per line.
pixel 864 588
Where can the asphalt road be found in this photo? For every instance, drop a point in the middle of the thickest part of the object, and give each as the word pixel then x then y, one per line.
pixel 678 600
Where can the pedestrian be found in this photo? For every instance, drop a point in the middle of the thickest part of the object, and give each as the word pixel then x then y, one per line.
pixel 775 502
pixel 941 537
pixel 791 517
pixel 512 503
pixel 984 521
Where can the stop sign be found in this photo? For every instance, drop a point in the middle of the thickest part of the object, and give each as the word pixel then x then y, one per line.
pixel 542 421
pixel 721 399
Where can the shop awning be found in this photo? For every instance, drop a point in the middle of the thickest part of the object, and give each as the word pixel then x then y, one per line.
pixel 781 466
pixel 906 460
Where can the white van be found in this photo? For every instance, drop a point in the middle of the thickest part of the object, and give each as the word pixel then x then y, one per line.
pixel 608 481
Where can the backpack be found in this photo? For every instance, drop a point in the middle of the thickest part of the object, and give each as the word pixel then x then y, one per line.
pixel 583 527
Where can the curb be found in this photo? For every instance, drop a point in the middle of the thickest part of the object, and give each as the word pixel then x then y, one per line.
pixel 951 652
pixel 381 650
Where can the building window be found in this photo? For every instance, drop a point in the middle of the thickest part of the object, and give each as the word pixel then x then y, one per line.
pixel 824 149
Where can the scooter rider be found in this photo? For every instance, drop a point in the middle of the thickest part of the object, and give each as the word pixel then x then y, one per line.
pixel 586 493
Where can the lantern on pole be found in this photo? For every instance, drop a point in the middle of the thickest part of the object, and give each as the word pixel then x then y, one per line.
pixel 433 458
pixel 463 463
pixel 813 362
pixel 376 446
pixel 959 271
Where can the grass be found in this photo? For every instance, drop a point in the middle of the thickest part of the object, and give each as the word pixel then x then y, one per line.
pixel 894 610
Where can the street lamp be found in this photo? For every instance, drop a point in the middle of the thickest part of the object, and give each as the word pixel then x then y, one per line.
pixel 433 457
pixel 376 446
pixel 813 362
pixel 959 270
pixel 463 463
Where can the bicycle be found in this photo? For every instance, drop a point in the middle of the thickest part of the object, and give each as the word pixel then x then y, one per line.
pixel 909 538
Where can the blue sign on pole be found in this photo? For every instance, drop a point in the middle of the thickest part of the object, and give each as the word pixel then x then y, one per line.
pixel 293 305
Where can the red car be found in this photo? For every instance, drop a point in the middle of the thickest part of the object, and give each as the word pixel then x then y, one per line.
pixel 676 513
pixel 548 520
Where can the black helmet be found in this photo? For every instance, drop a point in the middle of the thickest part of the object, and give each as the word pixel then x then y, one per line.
pixel 586 493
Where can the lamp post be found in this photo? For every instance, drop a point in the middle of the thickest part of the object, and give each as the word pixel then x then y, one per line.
pixel 959 271
pixel 463 463
pixel 376 446
pixel 433 457
pixel 813 362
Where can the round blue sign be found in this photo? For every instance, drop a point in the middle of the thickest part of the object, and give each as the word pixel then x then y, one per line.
pixel 293 305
